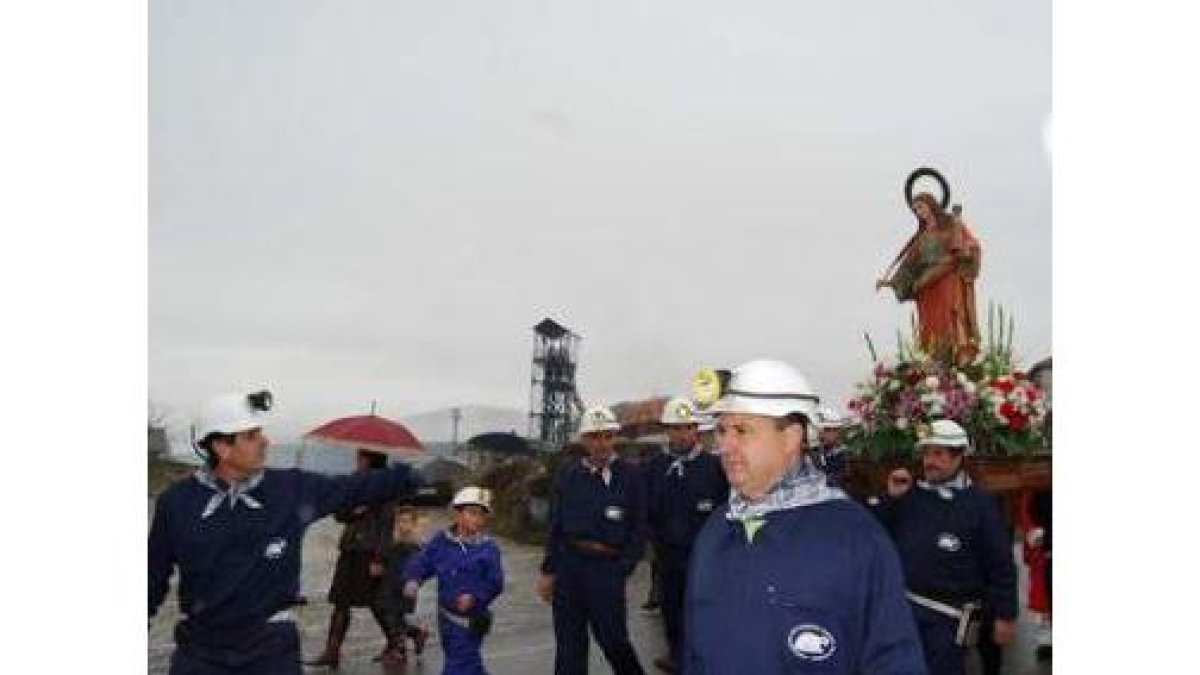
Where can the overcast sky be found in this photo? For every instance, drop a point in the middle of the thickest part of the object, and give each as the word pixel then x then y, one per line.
pixel 379 199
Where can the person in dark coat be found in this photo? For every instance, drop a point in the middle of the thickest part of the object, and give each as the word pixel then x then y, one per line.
pixel 684 487
pixel 396 607
pixel 790 576
pixel 470 576
pixel 831 453
pixel 955 549
pixel 596 538
pixel 359 568
pixel 235 530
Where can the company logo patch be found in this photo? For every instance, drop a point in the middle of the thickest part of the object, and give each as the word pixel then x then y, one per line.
pixel 949 542
pixel 704 505
pixel 811 642
pixel 275 548
pixel 614 513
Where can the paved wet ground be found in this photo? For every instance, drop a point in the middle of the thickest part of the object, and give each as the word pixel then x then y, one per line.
pixel 522 640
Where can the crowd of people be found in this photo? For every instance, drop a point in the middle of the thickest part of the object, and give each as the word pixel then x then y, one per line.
pixel 763 563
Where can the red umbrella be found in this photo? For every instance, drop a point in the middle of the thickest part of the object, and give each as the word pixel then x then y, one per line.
pixel 369 432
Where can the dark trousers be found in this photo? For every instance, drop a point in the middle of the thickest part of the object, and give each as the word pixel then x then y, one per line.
pixel 273 649
pixel 591 592
pixel 991 655
pixel 674 584
pixel 942 656
pixel 394 609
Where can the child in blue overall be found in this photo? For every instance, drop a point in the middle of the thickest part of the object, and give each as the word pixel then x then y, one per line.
pixel 467 565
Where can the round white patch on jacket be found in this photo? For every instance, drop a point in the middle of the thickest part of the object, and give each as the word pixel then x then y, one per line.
pixel 275 548
pixel 949 542
pixel 811 642
pixel 614 513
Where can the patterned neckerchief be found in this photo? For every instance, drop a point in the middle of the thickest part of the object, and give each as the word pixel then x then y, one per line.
pixel 234 493
pixel 947 489
pixel 801 485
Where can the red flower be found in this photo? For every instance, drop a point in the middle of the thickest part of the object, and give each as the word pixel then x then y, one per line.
pixel 1003 384
pixel 1009 410
pixel 1018 421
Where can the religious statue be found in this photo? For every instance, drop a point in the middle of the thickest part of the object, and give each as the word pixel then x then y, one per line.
pixel 937 270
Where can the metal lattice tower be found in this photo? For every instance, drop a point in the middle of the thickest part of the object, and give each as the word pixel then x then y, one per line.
pixel 554 404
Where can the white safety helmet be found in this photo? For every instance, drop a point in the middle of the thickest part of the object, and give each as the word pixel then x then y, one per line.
pixel 598 418
pixel 828 418
pixel 475 496
pixel 946 433
pixel 679 411
pixel 233 413
pixel 766 387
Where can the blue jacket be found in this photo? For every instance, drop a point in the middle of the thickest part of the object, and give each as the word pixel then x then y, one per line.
pixel 583 507
pixel 954 549
pixel 832 461
pixel 471 567
pixel 818 589
pixel 681 496
pixel 240 564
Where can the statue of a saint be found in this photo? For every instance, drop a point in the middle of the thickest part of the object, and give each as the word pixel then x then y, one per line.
pixel 937 270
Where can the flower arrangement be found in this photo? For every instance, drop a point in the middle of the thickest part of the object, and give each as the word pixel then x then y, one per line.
pixel 1000 407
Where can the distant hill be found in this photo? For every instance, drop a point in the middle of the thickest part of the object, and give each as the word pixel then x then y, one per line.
pixel 437 426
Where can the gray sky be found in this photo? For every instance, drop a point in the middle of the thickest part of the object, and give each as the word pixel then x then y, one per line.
pixel 379 199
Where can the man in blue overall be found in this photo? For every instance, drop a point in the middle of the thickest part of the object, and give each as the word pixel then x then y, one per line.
pixel 956 552
pixel 790 576
pixel 235 531
pixel 831 453
pixel 685 485
pixel 596 538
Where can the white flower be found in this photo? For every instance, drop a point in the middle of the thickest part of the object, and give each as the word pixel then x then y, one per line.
pixel 968 386
pixel 931 382
pixel 893 385
pixel 963 380
pixel 901 422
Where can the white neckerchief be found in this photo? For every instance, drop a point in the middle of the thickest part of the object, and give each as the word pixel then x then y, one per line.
pixel 235 493
pixel 605 472
pixel 680 461
pixel 477 538
pixel 946 489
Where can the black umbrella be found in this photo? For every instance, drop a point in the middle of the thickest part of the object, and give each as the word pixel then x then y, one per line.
pixel 505 442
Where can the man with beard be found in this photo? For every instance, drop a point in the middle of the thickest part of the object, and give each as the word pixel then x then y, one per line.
pixel 956 552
